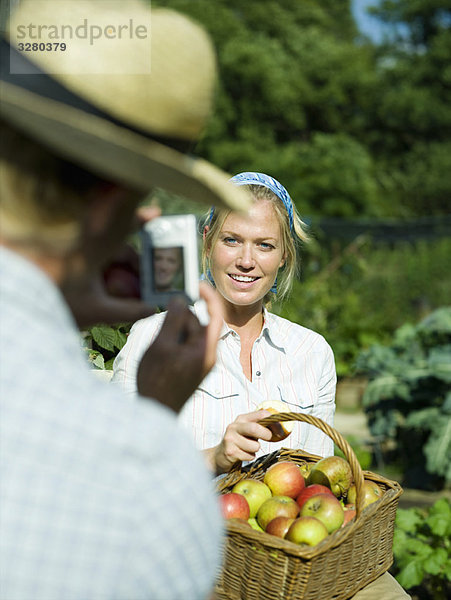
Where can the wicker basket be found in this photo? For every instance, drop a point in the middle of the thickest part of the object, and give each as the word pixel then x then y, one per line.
pixel 259 566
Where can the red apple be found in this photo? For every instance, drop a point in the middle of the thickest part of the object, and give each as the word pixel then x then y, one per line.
pixel 306 530
pixel 255 492
pixel 277 506
pixel 326 508
pixel 234 506
pixel 312 490
pixel 371 493
pixel 281 430
pixel 349 513
pixel 334 472
pixel 279 526
pixel 285 479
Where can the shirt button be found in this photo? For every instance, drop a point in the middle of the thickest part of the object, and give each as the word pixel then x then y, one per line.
pixel 258 373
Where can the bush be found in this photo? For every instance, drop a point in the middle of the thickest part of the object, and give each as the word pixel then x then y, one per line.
pixel 359 295
pixel 103 342
pixel 422 550
pixel 408 398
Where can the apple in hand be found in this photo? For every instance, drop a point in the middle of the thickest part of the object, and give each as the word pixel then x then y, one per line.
pixel 326 508
pixel 285 479
pixel 279 526
pixel 234 506
pixel 334 472
pixel 371 493
pixel 281 430
pixel 307 530
pixel 312 490
pixel 277 506
pixel 255 492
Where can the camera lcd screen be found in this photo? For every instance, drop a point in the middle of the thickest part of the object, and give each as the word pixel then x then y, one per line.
pixel 168 270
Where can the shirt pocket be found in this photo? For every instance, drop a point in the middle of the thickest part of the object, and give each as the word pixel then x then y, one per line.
pixel 295 403
pixel 217 387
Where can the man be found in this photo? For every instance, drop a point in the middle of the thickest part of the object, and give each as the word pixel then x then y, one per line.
pixel 100 498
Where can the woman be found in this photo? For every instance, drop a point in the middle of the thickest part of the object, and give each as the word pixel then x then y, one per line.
pixel 250 259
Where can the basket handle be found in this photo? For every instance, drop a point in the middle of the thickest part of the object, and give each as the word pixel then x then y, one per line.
pixel 337 438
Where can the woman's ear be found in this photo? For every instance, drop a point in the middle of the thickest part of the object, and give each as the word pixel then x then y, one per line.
pixel 282 262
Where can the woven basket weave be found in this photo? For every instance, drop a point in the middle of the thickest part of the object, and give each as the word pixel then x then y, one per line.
pixel 259 566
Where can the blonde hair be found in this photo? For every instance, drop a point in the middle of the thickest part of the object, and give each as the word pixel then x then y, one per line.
pixel 291 239
pixel 43 198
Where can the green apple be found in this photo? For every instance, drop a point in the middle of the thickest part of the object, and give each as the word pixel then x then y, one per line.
pixel 277 506
pixel 255 492
pixel 371 493
pixel 334 472
pixel 326 508
pixel 306 530
pixel 253 523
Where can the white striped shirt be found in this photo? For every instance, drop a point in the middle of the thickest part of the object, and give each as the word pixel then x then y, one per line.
pixel 289 363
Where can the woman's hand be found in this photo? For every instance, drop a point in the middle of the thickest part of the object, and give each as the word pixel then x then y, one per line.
pixel 240 442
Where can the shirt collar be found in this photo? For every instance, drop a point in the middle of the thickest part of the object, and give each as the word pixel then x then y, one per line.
pixel 269 331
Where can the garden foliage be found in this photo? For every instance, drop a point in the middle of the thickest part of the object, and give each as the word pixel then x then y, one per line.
pixel 358 295
pixel 408 398
pixel 103 342
pixel 422 549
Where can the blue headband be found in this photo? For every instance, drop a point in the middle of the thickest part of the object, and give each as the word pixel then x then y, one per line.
pixel 251 178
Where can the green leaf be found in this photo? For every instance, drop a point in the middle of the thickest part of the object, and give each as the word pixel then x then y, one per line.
pixel 109 364
pixel 447 570
pixel 438 447
pixel 420 548
pixel 119 339
pixel 408 519
pixel 411 575
pixel 99 361
pixel 439 518
pixel 435 562
pixel 104 336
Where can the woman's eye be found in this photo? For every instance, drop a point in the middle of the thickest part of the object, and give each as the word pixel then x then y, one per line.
pixel 229 240
pixel 266 246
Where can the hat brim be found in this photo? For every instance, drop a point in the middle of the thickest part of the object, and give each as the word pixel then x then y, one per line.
pixel 117 153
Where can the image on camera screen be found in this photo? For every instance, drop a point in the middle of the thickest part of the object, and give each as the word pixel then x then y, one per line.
pixel 168 270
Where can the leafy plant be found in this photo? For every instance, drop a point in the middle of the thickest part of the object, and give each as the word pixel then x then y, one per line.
pixel 103 342
pixel 408 398
pixel 360 294
pixel 422 549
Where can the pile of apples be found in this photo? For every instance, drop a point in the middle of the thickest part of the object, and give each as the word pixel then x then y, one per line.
pixel 302 504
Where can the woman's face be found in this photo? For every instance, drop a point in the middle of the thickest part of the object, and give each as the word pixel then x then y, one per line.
pixel 247 255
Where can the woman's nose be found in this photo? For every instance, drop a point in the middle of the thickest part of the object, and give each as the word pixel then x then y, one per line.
pixel 246 258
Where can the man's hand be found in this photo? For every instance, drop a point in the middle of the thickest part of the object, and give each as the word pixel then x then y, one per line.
pixel 182 354
pixel 110 295
pixel 240 442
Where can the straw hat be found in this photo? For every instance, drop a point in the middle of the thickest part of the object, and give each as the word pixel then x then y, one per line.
pixel 132 88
